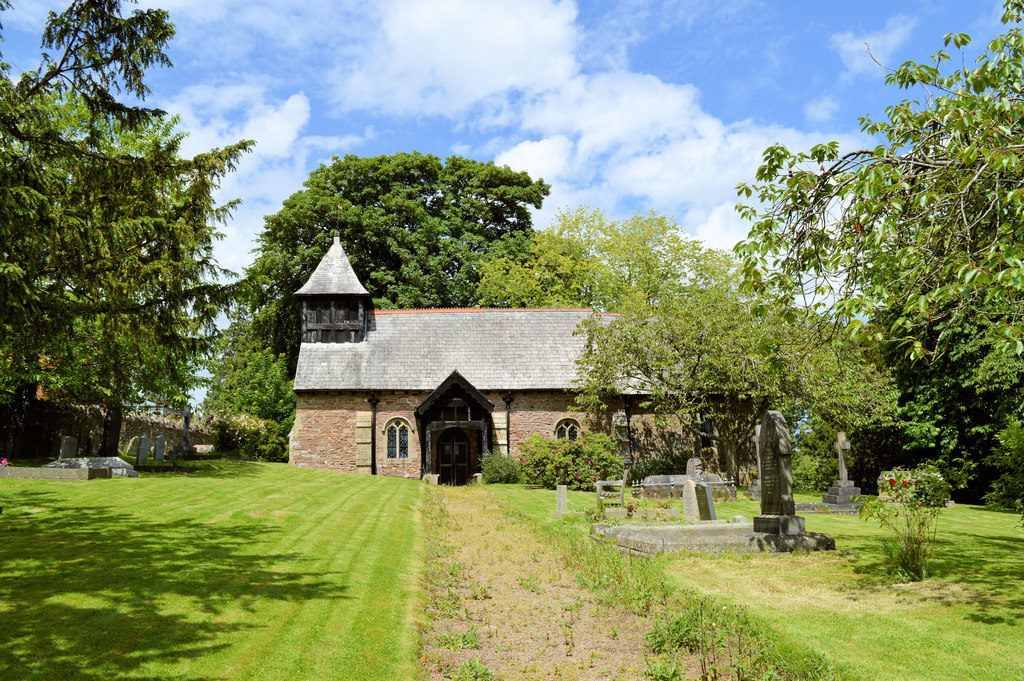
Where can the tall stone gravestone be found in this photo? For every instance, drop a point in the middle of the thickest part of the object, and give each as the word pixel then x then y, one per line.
pixel 706 502
pixel 159 447
pixel 778 511
pixel 143 451
pixel 561 501
pixel 132 449
pixel 68 447
pixel 691 512
pixel 694 466
pixel 842 490
pixel 184 448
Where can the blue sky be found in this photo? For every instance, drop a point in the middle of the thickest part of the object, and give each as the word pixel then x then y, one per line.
pixel 621 106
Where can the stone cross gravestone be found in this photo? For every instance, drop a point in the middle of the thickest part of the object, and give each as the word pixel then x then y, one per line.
pixel 778 510
pixel 68 447
pixel 706 502
pixel 184 448
pixel 691 512
pixel 843 490
pixel 694 466
pixel 755 487
pixel 143 451
pixel 561 501
pixel 842 444
pixel 159 447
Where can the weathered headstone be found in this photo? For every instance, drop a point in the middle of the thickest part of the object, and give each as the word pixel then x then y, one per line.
pixel 706 502
pixel 143 450
pixel 843 490
pixel 132 449
pixel 778 510
pixel 561 501
pixel 159 447
pixel 691 512
pixel 694 466
pixel 68 447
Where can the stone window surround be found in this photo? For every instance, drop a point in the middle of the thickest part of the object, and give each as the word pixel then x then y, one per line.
pixel 567 428
pixel 395 450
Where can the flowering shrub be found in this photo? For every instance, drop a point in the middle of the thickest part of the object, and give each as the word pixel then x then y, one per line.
pixel 911 512
pixel 254 437
pixel 3 461
pixel 574 463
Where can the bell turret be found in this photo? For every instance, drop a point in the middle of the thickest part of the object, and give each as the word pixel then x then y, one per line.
pixel 335 305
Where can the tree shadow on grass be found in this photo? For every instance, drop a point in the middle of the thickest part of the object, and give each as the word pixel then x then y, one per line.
pixel 982 572
pixel 89 594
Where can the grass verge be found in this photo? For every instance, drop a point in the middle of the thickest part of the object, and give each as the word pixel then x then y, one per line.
pixel 240 571
pixel 731 643
pixel 835 614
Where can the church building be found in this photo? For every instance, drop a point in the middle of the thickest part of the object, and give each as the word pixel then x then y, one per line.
pixel 412 393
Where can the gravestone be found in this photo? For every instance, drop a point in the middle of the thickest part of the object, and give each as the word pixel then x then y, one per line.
pixel 184 448
pixel 159 447
pixel 561 501
pixel 842 491
pixel 706 502
pixel 778 510
pixel 143 451
pixel 691 512
pixel 694 466
pixel 68 447
pixel 754 490
pixel 132 449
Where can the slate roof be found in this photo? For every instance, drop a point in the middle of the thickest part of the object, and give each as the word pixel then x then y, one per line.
pixel 334 275
pixel 494 349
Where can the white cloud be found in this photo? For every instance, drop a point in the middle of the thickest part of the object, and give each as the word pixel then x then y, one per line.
pixel 623 142
pixel 216 116
pixel 443 57
pixel 546 158
pixel 853 48
pixel 821 110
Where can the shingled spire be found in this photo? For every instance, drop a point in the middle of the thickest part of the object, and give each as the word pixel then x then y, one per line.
pixel 335 305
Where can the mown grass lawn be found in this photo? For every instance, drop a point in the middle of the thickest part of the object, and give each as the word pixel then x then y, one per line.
pixel 965 622
pixel 243 571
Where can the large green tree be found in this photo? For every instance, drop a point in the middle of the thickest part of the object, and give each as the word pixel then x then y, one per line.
pixel 923 226
pixel 585 259
pixel 108 287
pixel 914 243
pixel 685 337
pixel 416 230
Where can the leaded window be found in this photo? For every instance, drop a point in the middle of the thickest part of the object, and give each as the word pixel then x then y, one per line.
pixel 567 429
pixel 398 439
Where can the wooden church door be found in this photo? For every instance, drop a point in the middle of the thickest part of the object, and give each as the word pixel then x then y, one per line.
pixel 453 458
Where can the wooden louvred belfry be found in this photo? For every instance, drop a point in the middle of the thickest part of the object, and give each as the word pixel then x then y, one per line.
pixel 335 305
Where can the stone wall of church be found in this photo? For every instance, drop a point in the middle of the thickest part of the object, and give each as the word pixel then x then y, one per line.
pixel 332 429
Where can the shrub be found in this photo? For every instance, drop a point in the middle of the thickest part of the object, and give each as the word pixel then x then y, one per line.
pixel 257 438
pixel 497 467
pixel 917 496
pixel 574 463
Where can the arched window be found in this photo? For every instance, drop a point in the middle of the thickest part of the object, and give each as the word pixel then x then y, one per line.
pixel 567 429
pixel 397 432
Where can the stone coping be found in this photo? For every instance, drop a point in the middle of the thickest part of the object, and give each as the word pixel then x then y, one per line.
pixel 707 537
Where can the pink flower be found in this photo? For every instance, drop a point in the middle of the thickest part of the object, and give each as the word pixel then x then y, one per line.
pixel 3 461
